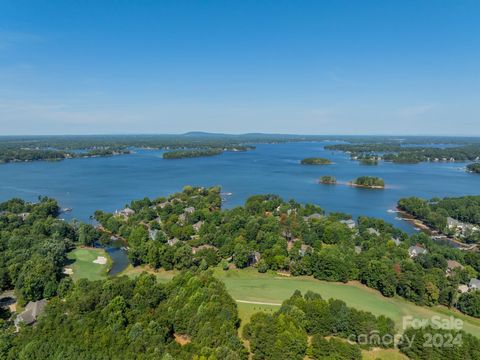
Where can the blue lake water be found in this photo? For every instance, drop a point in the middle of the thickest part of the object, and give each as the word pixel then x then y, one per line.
pixel 109 183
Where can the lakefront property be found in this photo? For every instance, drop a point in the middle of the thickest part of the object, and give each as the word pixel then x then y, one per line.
pixel 239 180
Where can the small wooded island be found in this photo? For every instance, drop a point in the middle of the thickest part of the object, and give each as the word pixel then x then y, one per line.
pixel 182 154
pixel 370 182
pixel 330 180
pixel 474 168
pixel 315 161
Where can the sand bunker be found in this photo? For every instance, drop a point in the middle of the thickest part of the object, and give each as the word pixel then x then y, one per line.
pixel 68 271
pixel 102 260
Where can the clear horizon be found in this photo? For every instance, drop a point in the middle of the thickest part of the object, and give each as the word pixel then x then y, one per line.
pixel 367 68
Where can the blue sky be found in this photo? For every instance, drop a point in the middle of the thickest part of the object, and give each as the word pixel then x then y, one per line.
pixel 308 67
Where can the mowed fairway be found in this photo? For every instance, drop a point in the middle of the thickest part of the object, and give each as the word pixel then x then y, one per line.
pixel 250 286
pixel 265 292
pixel 83 266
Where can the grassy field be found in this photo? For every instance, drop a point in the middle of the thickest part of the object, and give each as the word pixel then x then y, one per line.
pixel 249 285
pixel 83 266
pixel 253 289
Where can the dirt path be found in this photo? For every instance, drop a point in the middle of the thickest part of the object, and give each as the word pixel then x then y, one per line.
pixel 257 303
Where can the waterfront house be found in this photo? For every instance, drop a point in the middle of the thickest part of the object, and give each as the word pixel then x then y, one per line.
pixel 462 288
pixel 416 250
pixel 350 223
pixel 24 215
pixel 127 212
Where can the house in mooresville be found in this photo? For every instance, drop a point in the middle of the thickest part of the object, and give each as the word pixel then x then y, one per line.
pixel 31 313
pixel 172 242
pixel 373 231
pixel 463 288
pixel 189 210
pixel 287 234
pixel 461 228
pixel 452 265
pixel 127 212
pixel 253 258
pixel 197 226
pixel 304 249
pixel 182 218
pixel 350 223
pixel 397 241
pixel 358 249
pixel 24 215
pixel 416 250
pixel 474 284
pixel 315 216
pixel 152 234
pixel 163 204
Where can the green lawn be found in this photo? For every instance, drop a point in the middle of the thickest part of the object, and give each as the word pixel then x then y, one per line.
pixel 83 266
pixel 250 286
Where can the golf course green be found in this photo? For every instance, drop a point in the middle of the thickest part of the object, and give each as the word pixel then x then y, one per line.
pixel 84 267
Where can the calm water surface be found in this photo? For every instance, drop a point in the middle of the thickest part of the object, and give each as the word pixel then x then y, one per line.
pixel 109 183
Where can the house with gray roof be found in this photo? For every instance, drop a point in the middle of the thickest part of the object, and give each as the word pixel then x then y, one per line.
pixel 474 284
pixel 152 234
pixel 31 313
pixel 350 223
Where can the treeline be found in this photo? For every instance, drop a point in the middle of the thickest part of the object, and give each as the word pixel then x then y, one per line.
pixel 284 334
pixel 21 155
pixel 191 317
pixel 398 153
pixel 33 248
pixel 181 154
pixel 435 213
pixel 189 230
